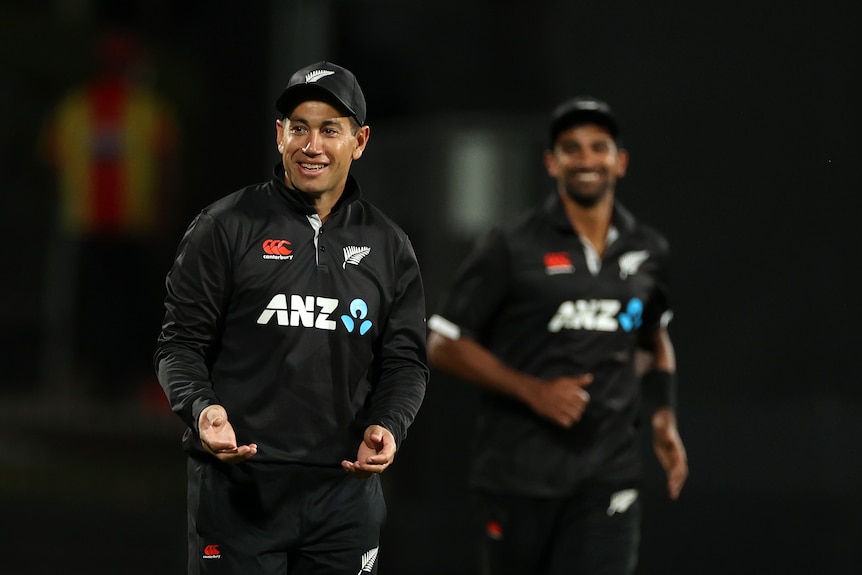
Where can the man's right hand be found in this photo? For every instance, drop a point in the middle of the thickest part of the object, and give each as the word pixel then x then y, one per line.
pixel 218 437
pixel 562 400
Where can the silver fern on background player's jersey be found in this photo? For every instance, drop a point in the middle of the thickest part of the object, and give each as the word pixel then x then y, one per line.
pixel 353 254
pixel 630 262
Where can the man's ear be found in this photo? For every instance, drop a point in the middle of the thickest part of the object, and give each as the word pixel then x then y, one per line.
pixel 279 135
pixel 362 137
pixel 622 162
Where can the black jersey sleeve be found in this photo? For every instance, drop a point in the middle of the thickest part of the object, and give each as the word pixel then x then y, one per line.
pixel 197 289
pixel 478 287
pixel 403 373
pixel 657 312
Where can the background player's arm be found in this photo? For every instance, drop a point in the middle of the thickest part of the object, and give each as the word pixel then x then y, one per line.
pixel 562 400
pixel 667 443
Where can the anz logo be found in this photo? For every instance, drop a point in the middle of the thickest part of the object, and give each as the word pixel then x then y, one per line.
pixel 598 315
pixel 315 312
pixel 358 311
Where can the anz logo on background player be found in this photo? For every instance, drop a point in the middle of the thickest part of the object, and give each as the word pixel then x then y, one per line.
pixel 597 315
pixel 315 312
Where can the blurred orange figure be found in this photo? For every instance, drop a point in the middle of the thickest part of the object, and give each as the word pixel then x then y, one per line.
pixel 113 144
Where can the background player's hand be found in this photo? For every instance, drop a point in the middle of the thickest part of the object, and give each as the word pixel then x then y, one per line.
pixel 375 454
pixel 669 449
pixel 218 438
pixel 562 400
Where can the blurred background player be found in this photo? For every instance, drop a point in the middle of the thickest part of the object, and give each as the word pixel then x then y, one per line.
pixel 546 316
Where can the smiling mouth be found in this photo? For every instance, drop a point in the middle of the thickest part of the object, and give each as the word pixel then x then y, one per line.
pixel 311 167
pixel 587 176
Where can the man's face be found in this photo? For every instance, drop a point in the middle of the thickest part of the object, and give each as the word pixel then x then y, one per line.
pixel 317 146
pixel 586 163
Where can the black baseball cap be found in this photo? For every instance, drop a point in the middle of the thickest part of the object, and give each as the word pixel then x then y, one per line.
pixel 583 110
pixel 327 82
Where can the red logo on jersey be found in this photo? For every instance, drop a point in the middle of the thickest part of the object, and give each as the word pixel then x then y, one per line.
pixel 211 552
pixel 277 247
pixel 494 530
pixel 558 263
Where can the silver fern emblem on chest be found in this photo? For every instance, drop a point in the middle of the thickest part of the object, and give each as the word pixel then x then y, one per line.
pixel 630 262
pixel 368 559
pixel 354 254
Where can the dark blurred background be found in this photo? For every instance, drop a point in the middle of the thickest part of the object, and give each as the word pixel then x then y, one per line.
pixel 742 121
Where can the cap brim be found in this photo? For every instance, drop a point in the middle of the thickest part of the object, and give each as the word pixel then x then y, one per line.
pixel 577 117
pixel 295 95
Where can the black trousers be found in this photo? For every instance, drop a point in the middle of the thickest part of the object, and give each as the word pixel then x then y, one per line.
pixel 595 531
pixel 267 519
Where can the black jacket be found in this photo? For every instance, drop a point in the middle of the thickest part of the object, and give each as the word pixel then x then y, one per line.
pixel 305 333
pixel 530 293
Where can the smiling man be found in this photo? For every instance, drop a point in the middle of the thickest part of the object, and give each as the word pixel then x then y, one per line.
pixel 547 316
pixel 293 348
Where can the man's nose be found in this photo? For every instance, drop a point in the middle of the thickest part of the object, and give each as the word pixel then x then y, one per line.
pixel 312 145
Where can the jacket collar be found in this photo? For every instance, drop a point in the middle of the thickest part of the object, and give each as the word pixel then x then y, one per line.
pixel 297 202
pixel 622 219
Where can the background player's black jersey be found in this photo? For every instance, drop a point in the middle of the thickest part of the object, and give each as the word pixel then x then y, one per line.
pixel 528 294
pixel 270 312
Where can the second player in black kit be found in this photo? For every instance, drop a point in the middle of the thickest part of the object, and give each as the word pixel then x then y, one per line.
pixel 293 348
pixel 549 316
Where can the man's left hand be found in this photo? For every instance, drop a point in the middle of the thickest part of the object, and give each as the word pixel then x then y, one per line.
pixel 375 454
pixel 669 449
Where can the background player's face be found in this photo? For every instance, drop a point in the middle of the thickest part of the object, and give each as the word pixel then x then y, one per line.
pixel 317 146
pixel 586 163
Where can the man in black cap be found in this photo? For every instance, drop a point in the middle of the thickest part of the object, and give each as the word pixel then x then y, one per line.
pixel 293 348
pixel 549 316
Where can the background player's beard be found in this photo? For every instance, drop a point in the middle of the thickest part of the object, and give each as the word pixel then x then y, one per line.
pixel 586 200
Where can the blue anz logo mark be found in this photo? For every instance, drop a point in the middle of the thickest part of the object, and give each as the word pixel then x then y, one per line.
pixel 632 318
pixel 358 310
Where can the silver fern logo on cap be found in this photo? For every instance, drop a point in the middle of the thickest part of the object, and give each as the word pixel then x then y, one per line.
pixel 316 75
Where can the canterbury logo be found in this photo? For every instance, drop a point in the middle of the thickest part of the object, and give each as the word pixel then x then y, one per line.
pixel 630 262
pixel 211 552
pixel 368 559
pixel 494 530
pixel 354 254
pixel 316 75
pixel 277 250
pixel 558 263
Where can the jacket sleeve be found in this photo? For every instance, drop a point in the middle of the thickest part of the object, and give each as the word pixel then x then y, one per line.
pixel 479 288
pixel 197 289
pixel 658 311
pixel 403 373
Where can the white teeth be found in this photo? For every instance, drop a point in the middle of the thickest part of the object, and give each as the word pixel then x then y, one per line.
pixel 312 166
pixel 587 176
